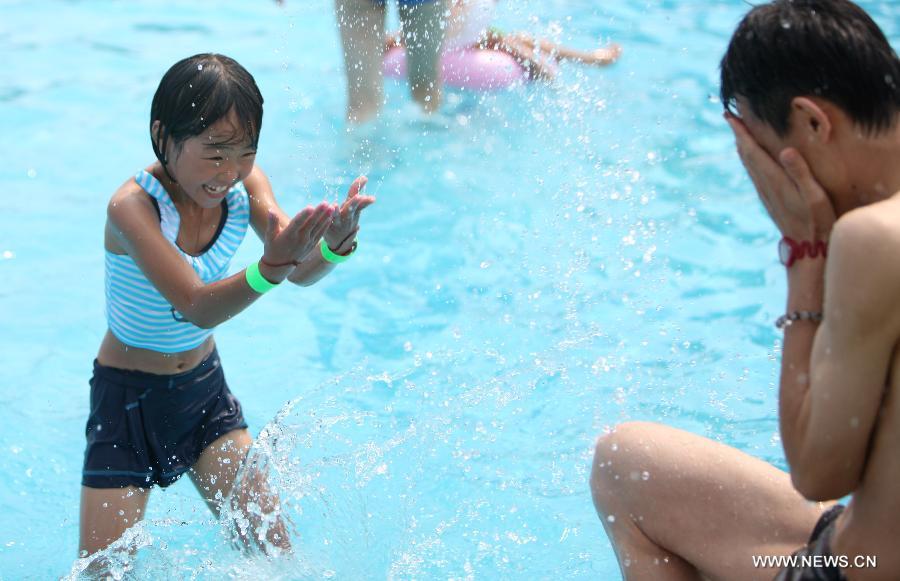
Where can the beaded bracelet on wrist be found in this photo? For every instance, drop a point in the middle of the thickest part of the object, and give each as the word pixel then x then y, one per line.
pixel 788 319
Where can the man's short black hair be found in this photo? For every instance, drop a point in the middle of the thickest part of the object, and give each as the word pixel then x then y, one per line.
pixel 824 48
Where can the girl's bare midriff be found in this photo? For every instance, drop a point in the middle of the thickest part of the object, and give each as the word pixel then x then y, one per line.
pixel 114 353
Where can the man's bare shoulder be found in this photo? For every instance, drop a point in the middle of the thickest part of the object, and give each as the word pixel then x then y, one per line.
pixel 863 252
pixel 871 228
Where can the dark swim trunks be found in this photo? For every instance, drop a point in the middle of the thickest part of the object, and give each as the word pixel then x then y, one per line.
pixel 818 549
pixel 147 429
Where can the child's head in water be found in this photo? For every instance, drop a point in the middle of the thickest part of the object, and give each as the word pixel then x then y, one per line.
pixel 205 122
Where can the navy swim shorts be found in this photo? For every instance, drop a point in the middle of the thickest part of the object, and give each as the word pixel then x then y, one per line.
pixel 147 429
pixel 817 550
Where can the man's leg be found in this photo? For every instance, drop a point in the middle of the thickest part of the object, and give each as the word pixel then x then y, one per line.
pixel 678 506
pixel 362 36
pixel 423 35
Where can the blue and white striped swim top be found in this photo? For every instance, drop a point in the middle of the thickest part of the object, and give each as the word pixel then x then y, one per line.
pixel 137 314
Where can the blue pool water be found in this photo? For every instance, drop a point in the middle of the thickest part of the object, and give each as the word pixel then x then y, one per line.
pixel 542 263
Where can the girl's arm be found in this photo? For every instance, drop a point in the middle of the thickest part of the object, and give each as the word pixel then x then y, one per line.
pixel 133 221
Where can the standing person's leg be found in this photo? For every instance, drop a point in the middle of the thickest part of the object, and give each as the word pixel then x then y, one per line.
pixel 361 23
pixel 105 515
pixel 214 475
pixel 678 506
pixel 423 34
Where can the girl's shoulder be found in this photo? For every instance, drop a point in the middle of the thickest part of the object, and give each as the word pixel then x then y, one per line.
pixel 130 210
pixel 132 190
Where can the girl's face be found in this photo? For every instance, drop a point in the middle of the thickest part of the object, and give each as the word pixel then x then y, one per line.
pixel 207 165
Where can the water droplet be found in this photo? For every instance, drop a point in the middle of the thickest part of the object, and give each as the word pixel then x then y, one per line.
pixel 200 67
pixel 611 518
pixel 645 475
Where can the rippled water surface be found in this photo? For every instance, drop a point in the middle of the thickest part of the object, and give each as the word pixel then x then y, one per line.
pixel 541 264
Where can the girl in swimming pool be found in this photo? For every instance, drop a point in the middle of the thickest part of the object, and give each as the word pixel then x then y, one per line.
pixel 469 27
pixel 160 406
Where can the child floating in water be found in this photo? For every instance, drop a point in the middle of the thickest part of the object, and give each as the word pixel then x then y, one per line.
pixel 469 27
pixel 160 405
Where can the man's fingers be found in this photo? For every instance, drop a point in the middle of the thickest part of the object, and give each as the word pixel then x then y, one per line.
pixel 811 190
pixel 798 170
pixel 753 156
pixel 737 126
pixel 765 172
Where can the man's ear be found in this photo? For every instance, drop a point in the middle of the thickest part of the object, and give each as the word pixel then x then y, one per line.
pixel 811 119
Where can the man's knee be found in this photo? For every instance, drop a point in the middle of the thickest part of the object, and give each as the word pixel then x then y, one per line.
pixel 616 456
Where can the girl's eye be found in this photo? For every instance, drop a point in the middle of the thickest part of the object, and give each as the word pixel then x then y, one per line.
pixel 215 158
pixel 251 154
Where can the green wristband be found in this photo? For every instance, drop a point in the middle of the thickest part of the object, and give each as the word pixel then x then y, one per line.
pixel 333 258
pixel 257 281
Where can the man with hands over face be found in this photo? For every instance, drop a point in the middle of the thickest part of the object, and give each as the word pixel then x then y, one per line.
pixel 812 96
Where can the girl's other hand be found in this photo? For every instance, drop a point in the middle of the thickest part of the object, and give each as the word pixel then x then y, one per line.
pixel 342 232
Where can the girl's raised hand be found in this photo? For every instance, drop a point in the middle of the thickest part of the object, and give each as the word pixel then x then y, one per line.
pixel 342 232
pixel 289 245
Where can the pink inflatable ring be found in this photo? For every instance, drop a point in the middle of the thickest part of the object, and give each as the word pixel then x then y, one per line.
pixel 471 68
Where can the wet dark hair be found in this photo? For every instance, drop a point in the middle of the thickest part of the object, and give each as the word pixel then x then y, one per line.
pixel 198 91
pixel 825 48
